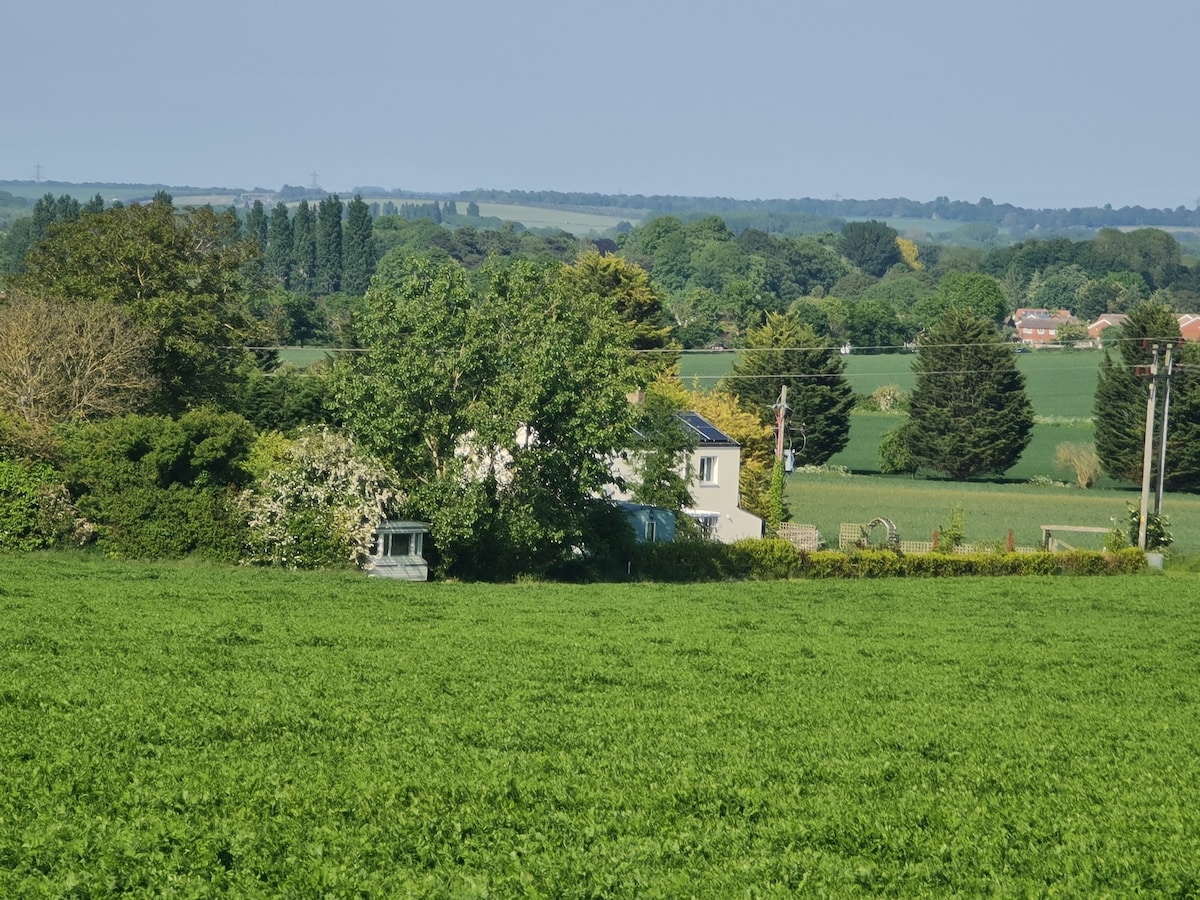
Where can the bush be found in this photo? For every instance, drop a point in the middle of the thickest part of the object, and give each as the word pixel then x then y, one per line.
pixel 774 559
pixel 1080 459
pixel 318 506
pixel 157 486
pixel 36 512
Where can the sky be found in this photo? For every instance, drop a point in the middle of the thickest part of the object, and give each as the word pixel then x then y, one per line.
pixel 1038 103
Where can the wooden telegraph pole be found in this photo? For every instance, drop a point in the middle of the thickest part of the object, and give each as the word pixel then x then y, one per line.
pixel 1148 448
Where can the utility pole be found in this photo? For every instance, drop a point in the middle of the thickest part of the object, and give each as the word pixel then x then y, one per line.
pixel 1162 432
pixel 781 411
pixel 1148 447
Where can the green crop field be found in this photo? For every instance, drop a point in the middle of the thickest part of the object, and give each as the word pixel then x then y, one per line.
pixel 1060 384
pixel 184 730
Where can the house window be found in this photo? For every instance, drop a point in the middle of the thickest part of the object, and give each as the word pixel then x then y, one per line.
pixel 708 526
pixel 649 531
pixel 708 470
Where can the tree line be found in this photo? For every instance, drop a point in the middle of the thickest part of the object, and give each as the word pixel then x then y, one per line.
pixel 481 376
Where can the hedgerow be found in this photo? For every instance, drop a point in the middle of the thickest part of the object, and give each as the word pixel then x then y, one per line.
pixel 773 559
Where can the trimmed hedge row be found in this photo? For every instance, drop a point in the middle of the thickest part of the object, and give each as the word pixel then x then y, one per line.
pixel 775 560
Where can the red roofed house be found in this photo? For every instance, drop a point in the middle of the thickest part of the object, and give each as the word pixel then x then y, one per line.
pixel 1040 326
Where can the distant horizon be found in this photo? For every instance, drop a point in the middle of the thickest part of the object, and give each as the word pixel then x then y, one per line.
pixel 422 192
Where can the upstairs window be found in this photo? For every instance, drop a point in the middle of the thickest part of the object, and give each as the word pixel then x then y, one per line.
pixel 708 470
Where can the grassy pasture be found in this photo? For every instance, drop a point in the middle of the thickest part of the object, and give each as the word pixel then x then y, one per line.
pixel 187 730
pixel 1060 384
pixel 918 506
pixel 575 222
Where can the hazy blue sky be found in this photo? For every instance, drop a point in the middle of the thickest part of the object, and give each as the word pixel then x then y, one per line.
pixel 1040 103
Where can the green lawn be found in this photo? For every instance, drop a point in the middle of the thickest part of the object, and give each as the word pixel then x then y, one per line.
pixel 187 730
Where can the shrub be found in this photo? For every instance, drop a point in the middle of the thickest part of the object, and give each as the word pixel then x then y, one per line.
pixel 319 505
pixel 157 486
pixel 1080 459
pixel 36 512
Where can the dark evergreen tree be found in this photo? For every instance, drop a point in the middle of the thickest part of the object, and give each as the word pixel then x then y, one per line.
pixel 162 197
pixel 95 205
pixel 304 249
pixel 1121 393
pixel 277 259
pixel 329 246
pixel 969 411
pixel 781 352
pixel 360 252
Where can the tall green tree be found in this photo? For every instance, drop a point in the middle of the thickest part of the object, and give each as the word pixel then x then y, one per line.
pixel 359 251
pixel 304 249
pixel 610 282
pixel 277 258
pixel 969 412
pixel 781 352
pixel 256 225
pixel 329 246
pixel 1122 395
pixel 871 246
pixel 499 407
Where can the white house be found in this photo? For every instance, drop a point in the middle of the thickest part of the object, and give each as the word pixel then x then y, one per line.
pixel 714 470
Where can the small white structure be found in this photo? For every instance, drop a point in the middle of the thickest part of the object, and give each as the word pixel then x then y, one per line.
pixel 398 551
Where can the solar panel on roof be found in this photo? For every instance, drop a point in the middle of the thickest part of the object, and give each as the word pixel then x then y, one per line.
pixel 706 431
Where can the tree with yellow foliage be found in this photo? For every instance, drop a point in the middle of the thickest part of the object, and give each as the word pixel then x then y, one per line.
pixel 909 253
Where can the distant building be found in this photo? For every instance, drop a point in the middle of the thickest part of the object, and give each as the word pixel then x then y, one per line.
pixel 1040 326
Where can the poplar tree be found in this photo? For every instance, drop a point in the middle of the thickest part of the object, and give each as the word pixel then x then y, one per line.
pixel 359 252
pixel 256 225
pixel 278 256
pixel 304 249
pixel 329 246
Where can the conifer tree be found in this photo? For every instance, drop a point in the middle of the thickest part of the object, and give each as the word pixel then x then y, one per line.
pixel 781 352
pixel 1121 397
pixel 969 412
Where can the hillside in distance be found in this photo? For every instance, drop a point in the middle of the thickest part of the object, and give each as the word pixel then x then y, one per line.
pixel 592 213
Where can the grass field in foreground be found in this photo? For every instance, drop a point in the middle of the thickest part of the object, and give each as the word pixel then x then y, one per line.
pixel 187 730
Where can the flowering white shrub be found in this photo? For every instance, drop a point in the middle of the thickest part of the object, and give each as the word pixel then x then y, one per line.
pixel 318 504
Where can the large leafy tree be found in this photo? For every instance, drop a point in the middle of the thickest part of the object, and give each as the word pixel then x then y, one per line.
pixel 969 412
pixel 781 352
pixel 1122 395
pixel 871 246
pixel 613 283
pixel 177 275
pixel 64 362
pixel 500 406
